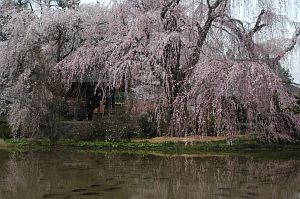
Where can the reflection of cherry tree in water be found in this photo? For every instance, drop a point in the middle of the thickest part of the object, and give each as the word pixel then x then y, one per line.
pixel 34 175
pixel 223 177
pixel 21 177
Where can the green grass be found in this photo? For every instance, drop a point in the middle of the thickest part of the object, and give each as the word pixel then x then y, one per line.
pixel 28 142
pixel 120 145
pixel 238 146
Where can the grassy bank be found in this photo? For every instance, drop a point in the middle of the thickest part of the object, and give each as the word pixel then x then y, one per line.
pixel 239 145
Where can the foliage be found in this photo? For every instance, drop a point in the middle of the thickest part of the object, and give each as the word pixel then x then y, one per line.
pixel 5 132
pixel 206 71
pixel 33 44
pixel 148 125
pixel 296 108
pixel 116 124
pixel 286 76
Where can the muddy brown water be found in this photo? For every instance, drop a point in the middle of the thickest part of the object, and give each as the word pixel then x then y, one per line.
pixel 72 174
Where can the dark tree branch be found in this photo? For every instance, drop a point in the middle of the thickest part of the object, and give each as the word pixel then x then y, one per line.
pixel 167 17
pixel 169 6
pixel 202 34
pixel 216 4
pixel 258 26
pixel 208 3
pixel 245 37
pixel 290 47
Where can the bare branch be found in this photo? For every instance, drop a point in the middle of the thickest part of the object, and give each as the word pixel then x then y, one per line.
pixel 290 47
pixel 216 4
pixel 202 33
pixel 258 26
pixel 240 32
pixel 208 3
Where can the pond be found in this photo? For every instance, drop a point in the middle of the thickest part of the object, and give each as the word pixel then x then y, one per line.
pixel 68 173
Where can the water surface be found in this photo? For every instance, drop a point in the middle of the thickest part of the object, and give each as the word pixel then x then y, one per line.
pixel 66 173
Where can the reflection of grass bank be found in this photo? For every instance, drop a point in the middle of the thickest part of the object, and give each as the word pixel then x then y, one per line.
pixel 174 147
pixel 3 143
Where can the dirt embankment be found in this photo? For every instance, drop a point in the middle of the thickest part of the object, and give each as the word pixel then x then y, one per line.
pixel 197 138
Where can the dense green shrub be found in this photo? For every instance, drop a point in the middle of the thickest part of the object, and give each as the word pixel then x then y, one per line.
pixel 147 125
pixel 5 132
pixel 116 124
pixel 296 107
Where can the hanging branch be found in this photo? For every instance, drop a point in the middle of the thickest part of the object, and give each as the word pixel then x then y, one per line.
pixel 169 20
pixel 167 7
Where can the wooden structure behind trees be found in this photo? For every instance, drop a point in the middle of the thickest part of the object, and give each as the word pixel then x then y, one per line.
pixel 85 99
